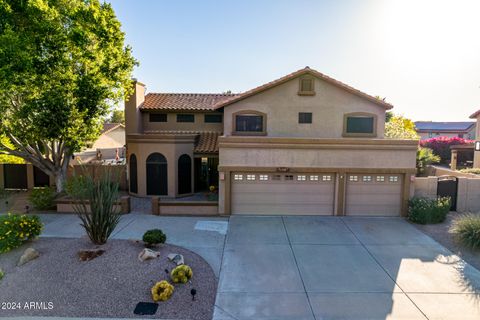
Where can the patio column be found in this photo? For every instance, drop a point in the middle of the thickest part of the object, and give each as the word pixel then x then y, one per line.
pixel 453 162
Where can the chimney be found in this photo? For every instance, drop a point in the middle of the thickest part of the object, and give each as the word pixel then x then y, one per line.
pixel 133 116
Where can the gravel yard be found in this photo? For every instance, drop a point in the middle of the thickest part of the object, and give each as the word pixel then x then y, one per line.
pixel 108 286
pixel 440 233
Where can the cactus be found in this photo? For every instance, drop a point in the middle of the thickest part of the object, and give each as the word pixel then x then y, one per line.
pixel 162 291
pixel 181 274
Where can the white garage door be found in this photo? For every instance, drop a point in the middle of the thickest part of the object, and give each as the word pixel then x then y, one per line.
pixel 374 194
pixel 267 193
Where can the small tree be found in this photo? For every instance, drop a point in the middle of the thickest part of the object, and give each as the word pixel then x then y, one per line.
pixel 399 127
pixel 118 116
pixel 425 157
pixel 441 146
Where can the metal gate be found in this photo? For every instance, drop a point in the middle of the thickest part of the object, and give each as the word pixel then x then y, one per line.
pixel 15 176
pixel 40 178
pixel 447 187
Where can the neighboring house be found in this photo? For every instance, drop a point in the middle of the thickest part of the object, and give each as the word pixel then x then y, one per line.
pixel 109 146
pixel 476 155
pixel 302 144
pixel 430 129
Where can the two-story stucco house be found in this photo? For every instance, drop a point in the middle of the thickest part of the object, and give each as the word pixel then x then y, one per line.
pixel 302 144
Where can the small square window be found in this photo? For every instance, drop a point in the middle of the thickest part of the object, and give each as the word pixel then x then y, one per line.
pixel 185 117
pixel 380 178
pixel 158 117
pixel 327 178
pixel 301 178
pixel 238 177
pixel 393 179
pixel 367 178
pixel 353 178
pixel 313 178
pixel 306 86
pixel 288 177
pixel 263 177
pixel 250 177
pixel 304 117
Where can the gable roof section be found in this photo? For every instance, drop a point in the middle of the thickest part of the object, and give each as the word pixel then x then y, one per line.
pixel 108 127
pixel 299 73
pixel 475 114
pixel 444 126
pixel 183 101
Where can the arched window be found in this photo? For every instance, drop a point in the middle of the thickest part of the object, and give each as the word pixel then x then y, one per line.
pixel 184 174
pixel 133 174
pixel 157 180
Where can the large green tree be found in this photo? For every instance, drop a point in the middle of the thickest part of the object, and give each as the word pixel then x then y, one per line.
pixel 62 63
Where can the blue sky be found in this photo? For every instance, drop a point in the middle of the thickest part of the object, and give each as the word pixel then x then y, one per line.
pixel 422 55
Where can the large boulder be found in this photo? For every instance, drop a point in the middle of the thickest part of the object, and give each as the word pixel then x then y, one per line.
pixel 28 255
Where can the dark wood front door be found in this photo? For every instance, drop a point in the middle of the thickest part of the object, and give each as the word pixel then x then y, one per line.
pixel 184 174
pixel 157 180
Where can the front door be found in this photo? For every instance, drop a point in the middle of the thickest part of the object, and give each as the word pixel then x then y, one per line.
pixel 157 183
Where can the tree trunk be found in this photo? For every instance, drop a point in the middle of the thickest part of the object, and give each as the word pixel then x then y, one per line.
pixel 60 179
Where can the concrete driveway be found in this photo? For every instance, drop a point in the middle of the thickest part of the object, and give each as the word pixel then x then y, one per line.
pixel 298 268
pixel 341 268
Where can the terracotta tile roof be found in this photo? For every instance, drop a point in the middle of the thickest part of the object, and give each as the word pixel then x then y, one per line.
pixel 205 142
pixel 183 101
pixel 298 73
pixel 107 127
pixel 475 114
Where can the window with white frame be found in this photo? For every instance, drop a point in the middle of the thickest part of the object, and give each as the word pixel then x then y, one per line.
pixel 353 178
pixel 250 177
pixel 380 178
pixel 367 178
pixel 238 177
pixel 327 178
pixel 263 177
pixel 301 178
pixel 288 177
pixel 393 178
pixel 313 178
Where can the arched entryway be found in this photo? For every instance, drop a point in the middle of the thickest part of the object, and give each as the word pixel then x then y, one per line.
pixel 157 182
pixel 184 174
pixel 133 174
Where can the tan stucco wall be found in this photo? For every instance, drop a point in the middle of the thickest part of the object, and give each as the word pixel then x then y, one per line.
pixel 425 135
pixel 112 139
pixel 476 157
pixel 282 105
pixel 173 125
pixel 133 120
pixel 171 149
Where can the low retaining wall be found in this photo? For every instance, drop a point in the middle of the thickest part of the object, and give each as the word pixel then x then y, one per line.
pixel 66 205
pixel 442 171
pixel 193 208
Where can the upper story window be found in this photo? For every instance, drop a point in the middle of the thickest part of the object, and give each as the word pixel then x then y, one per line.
pixel 183 117
pixel 213 118
pixel 360 124
pixel 249 123
pixel 158 117
pixel 306 86
pixel 304 117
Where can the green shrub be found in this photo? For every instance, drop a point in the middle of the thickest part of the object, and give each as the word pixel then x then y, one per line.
pixel 42 198
pixel 76 187
pixel 471 170
pixel 96 206
pixel 154 236
pixel 17 229
pixel 466 230
pixel 425 210
pixel 181 274
pixel 2 274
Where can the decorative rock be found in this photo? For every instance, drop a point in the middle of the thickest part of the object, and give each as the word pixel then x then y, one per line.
pixel 28 255
pixel 87 255
pixel 176 258
pixel 147 254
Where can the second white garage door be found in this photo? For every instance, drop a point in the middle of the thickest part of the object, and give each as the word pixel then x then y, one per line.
pixel 374 194
pixel 278 194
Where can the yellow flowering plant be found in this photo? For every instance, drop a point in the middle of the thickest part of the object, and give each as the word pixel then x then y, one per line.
pixel 181 274
pixel 17 229
pixel 162 291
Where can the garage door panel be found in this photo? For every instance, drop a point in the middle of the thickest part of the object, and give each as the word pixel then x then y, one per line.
pixel 283 196
pixel 374 197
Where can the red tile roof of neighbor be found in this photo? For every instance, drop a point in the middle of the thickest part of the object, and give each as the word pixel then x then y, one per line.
pixel 205 142
pixel 107 127
pixel 475 114
pixel 208 101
